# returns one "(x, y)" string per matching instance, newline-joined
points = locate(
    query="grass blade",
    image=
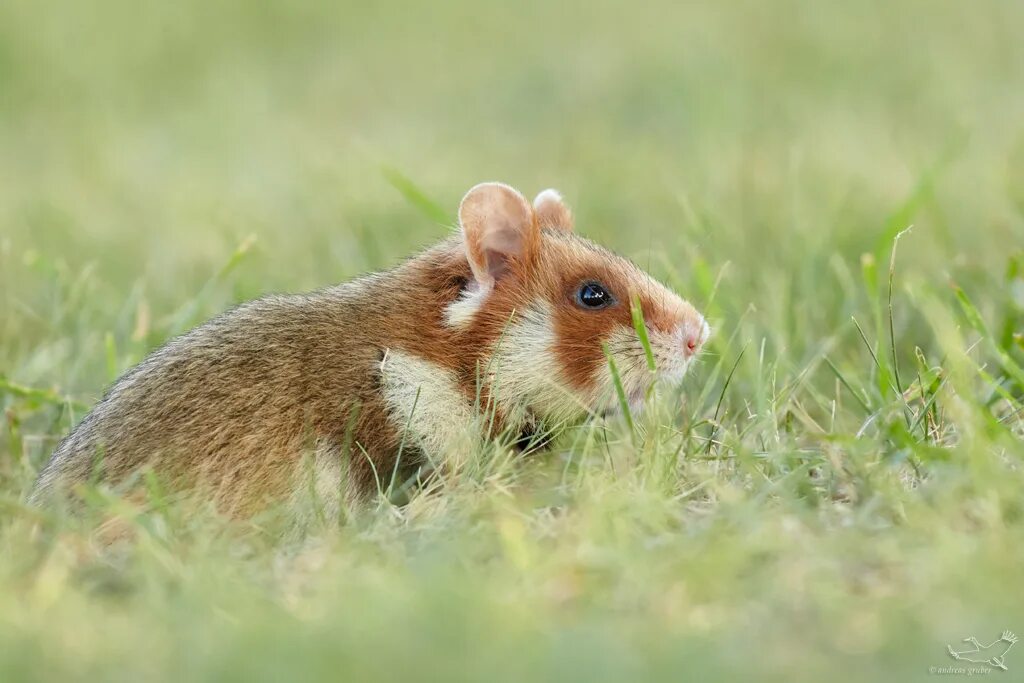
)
(721, 398)
(975, 320)
(641, 331)
(620, 392)
(416, 197)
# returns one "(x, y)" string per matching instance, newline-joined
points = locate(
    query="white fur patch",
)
(525, 372)
(318, 486)
(427, 406)
(705, 331)
(548, 195)
(461, 311)
(631, 364)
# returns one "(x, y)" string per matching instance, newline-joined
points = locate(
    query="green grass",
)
(837, 495)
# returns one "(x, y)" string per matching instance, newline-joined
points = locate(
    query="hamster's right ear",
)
(498, 227)
(551, 211)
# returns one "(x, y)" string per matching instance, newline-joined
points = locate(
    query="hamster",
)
(496, 330)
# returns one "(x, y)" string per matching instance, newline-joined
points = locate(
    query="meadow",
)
(837, 493)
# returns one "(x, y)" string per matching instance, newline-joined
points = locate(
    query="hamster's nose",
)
(695, 334)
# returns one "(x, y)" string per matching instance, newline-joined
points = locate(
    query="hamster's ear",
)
(497, 226)
(551, 211)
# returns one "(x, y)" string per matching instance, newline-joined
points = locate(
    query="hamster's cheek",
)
(631, 365)
(578, 347)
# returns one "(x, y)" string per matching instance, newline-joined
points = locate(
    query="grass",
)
(836, 493)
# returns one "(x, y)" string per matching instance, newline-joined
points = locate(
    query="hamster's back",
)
(232, 402)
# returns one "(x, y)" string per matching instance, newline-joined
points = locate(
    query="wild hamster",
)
(493, 331)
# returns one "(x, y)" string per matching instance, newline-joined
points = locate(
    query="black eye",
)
(593, 295)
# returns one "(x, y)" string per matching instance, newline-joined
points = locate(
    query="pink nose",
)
(694, 337)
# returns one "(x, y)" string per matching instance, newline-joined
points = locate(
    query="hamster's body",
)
(328, 388)
(239, 400)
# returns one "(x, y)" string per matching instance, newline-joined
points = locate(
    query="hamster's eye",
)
(593, 296)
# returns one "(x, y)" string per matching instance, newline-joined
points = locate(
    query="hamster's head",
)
(552, 309)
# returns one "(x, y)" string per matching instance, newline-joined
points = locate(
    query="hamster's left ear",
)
(552, 211)
(498, 228)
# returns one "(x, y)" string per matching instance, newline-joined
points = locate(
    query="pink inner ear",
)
(500, 244)
(507, 239)
(497, 263)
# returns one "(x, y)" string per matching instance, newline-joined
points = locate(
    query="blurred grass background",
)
(826, 516)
